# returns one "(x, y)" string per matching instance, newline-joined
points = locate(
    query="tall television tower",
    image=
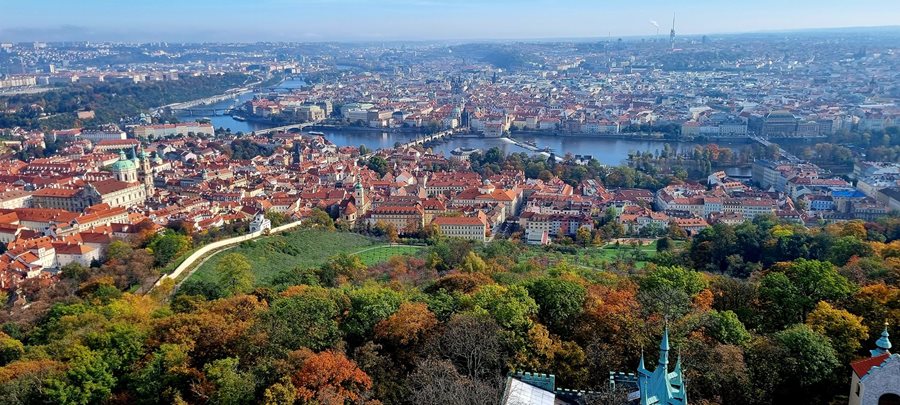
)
(672, 34)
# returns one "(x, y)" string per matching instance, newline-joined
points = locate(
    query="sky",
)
(380, 20)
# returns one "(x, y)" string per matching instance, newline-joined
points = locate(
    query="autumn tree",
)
(409, 326)
(844, 330)
(342, 268)
(329, 378)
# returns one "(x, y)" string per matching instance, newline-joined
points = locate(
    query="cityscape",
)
(647, 210)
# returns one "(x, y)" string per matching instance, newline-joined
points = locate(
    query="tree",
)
(808, 282)
(726, 327)
(472, 343)
(329, 378)
(75, 271)
(583, 236)
(378, 164)
(368, 306)
(280, 393)
(664, 244)
(437, 382)
(668, 290)
(231, 386)
(10, 349)
(305, 319)
(510, 306)
(559, 302)
(235, 274)
(118, 250)
(169, 246)
(473, 264)
(87, 379)
(808, 359)
(342, 268)
(388, 230)
(844, 330)
(319, 219)
(410, 325)
(277, 218)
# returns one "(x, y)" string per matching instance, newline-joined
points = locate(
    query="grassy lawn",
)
(302, 248)
(381, 254)
(595, 257)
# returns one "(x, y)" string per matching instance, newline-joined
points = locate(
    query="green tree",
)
(231, 386)
(118, 250)
(473, 264)
(168, 247)
(559, 301)
(368, 306)
(726, 327)
(808, 358)
(87, 380)
(378, 164)
(10, 349)
(510, 306)
(165, 376)
(235, 273)
(811, 281)
(308, 318)
(668, 290)
(319, 219)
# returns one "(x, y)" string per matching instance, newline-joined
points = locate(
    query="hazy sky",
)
(326, 20)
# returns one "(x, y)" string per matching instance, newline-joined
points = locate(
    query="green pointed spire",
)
(641, 367)
(664, 348)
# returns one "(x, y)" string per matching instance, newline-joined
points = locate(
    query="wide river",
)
(607, 151)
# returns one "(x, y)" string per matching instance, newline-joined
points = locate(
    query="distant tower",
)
(359, 196)
(146, 171)
(672, 34)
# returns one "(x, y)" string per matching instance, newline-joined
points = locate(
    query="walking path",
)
(205, 252)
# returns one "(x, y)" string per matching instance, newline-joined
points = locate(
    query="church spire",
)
(883, 344)
(664, 348)
(642, 368)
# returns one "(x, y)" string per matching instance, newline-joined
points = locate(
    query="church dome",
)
(123, 164)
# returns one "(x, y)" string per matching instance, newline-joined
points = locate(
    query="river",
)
(607, 151)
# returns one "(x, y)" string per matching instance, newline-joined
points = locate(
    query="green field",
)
(304, 248)
(596, 257)
(373, 256)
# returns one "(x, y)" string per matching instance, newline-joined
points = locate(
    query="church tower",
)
(661, 386)
(146, 171)
(359, 195)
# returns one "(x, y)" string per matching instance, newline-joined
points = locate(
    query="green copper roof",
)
(883, 343)
(123, 164)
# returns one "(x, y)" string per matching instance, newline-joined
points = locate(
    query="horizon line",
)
(481, 39)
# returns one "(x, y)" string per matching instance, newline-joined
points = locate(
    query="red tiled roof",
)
(862, 367)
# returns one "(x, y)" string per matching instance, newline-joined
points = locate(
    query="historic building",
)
(876, 380)
(657, 387)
